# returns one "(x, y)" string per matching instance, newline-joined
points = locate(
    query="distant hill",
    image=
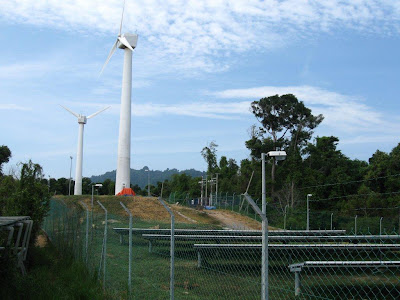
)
(140, 178)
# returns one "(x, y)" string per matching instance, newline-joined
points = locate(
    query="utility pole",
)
(206, 189)
(216, 187)
(202, 185)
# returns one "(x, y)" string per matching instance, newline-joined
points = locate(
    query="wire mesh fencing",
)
(142, 248)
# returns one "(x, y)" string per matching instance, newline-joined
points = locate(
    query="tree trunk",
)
(292, 193)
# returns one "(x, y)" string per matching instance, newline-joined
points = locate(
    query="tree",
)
(30, 196)
(5, 155)
(287, 120)
(209, 154)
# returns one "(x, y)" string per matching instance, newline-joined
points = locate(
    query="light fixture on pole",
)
(70, 174)
(308, 212)
(277, 155)
(97, 185)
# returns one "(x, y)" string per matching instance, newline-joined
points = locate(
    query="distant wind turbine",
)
(127, 42)
(79, 155)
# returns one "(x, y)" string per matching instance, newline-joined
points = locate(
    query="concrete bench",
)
(298, 267)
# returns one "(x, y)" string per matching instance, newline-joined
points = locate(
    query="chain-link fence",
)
(140, 248)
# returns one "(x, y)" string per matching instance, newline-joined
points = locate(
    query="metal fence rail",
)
(157, 253)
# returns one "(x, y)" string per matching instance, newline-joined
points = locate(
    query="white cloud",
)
(11, 106)
(344, 112)
(194, 33)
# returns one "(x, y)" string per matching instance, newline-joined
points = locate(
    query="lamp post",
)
(276, 155)
(148, 181)
(95, 185)
(308, 212)
(70, 171)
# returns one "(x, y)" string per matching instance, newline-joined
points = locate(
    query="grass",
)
(223, 275)
(50, 276)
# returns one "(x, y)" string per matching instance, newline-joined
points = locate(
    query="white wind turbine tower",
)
(79, 155)
(127, 42)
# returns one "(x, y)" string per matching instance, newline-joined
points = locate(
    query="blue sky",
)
(197, 66)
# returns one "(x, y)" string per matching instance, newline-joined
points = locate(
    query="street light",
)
(95, 185)
(148, 181)
(70, 171)
(277, 155)
(308, 212)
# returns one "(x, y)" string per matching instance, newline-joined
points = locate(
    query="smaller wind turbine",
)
(79, 155)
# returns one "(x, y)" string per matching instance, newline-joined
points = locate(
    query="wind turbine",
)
(127, 42)
(79, 155)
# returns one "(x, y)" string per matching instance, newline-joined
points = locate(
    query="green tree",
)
(209, 154)
(5, 155)
(288, 122)
(30, 197)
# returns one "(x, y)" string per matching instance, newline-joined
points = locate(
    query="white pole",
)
(308, 212)
(79, 158)
(206, 200)
(124, 141)
(216, 188)
(264, 259)
(202, 183)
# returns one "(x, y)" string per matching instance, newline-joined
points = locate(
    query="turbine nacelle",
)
(82, 119)
(124, 41)
(131, 38)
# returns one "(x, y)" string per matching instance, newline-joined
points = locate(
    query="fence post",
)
(233, 200)
(87, 230)
(331, 221)
(380, 226)
(104, 252)
(355, 225)
(172, 251)
(130, 250)
(264, 259)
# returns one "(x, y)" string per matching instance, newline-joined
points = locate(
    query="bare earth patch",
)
(41, 241)
(233, 220)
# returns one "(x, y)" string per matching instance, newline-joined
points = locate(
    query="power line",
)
(349, 182)
(354, 195)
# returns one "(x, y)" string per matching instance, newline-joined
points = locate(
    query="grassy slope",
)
(50, 277)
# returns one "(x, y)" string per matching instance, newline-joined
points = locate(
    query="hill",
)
(140, 177)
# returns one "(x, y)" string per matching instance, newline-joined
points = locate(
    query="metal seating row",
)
(18, 244)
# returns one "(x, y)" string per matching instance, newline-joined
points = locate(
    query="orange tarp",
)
(126, 192)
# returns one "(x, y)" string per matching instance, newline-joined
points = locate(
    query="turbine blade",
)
(125, 42)
(96, 113)
(109, 56)
(122, 17)
(67, 109)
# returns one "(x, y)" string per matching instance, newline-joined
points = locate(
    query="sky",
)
(197, 67)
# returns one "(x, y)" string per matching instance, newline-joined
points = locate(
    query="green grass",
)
(228, 275)
(50, 276)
